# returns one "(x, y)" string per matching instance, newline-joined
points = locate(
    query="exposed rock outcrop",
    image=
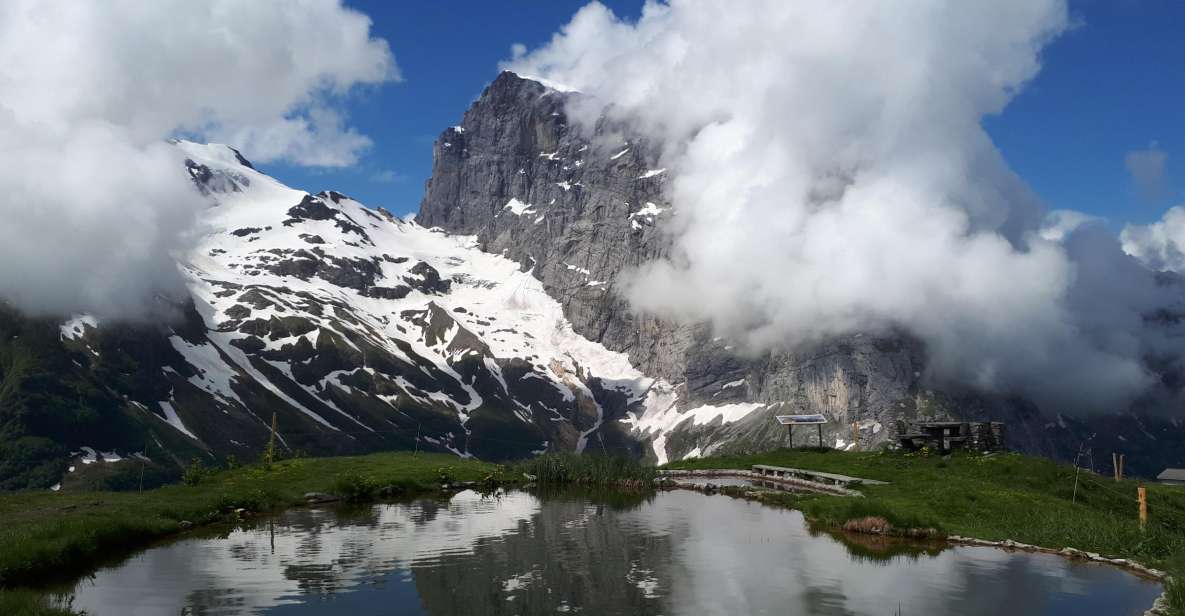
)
(576, 209)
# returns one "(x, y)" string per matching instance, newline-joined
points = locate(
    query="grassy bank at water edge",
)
(1004, 496)
(58, 533)
(587, 470)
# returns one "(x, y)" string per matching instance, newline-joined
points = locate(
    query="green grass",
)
(61, 533)
(1006, 496)
(590, 470)
(30, 603)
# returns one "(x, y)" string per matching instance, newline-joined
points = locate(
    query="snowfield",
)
(282, 278)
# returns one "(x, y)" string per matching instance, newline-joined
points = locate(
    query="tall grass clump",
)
(31, 603)
(587, 469)
(1175, 593)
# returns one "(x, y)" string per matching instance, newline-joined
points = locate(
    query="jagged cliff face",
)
(576, 209)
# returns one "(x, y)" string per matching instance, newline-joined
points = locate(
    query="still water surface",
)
(675, 553)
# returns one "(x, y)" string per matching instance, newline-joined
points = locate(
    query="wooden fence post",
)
(1117, 464)
(1143, 497)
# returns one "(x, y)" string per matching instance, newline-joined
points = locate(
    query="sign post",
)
(809, 420)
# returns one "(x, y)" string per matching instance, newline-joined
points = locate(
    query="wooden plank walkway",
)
(782, 472)
(813, 481)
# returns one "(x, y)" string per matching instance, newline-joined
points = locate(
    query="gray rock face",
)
(574, 209)
(577, 209)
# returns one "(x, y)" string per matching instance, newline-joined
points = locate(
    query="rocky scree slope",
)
(574, 210)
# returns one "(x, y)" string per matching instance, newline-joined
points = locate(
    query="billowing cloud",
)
(1061, 223)
(1147, 171)
(1161, 244)
(93, 200)
(830, 175)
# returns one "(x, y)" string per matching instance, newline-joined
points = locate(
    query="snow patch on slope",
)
(508, 310)
(75, 327)
(518, 208)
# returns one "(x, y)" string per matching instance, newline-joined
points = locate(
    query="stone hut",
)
(945, 436)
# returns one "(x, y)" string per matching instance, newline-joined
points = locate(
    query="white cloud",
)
(1161, 244)
(315, 138)
(1060, 223)
(1147, 171)
(94, 202)
(387, 176)
(830, 175)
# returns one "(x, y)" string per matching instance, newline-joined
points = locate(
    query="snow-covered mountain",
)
(490, 326)
(361, 331)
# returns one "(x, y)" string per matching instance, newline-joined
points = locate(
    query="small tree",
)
(195, 473)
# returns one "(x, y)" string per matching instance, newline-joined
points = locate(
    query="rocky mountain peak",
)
(493, 326)
(575, 207)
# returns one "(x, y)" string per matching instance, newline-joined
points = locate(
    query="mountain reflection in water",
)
(672, 553)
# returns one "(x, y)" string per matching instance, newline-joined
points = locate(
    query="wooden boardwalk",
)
(782, 472)
(813, 481)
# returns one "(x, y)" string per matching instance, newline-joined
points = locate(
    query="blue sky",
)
(1113, 85)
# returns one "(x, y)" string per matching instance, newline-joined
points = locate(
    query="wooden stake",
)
(1121, 456)
(1075, 499)
(790, 431)
(143, 462)
(820, 426)
(855, 436)
(1143, 497)
(1115, 465)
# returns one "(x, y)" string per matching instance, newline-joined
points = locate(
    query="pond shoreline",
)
(50, 533)
(504, 543)
(669, 478)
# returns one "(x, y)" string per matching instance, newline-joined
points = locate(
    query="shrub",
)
(195, 473)
(354, 487)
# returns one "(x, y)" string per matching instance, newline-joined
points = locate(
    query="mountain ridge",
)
(490, 326)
